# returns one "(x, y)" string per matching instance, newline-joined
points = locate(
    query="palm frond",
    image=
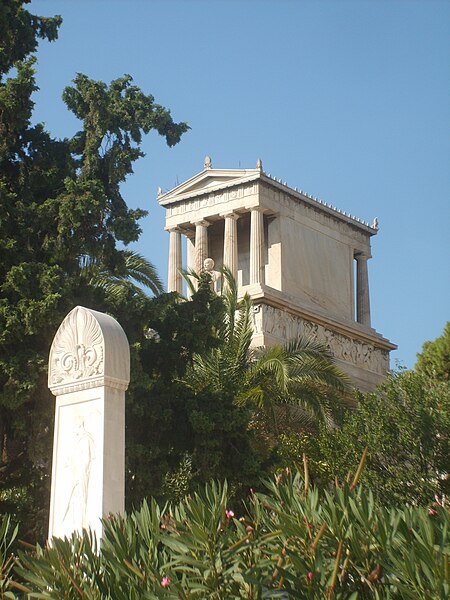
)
(243, 331)
(253, 396)
(272, 367)
(319, 370)
(137, 267)
(294, 417)
(304, 345)
(190, 276)
(230, 298)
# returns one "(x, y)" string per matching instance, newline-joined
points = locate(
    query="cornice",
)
(319, 205)
(241, 177)
(87, 384)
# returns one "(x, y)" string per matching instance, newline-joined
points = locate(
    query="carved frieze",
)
(210, 199)
(78, 349)
(286, 326)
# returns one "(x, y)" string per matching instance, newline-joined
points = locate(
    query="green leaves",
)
(20, 31)
(286, 386)
(114, 118)
(289, 542)
(434, 360)
(131, 271)
(61, 204)
(406, 427)
(8, 534)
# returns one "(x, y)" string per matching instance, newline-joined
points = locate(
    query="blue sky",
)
(347, 100)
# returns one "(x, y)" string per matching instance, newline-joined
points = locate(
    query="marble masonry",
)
(302, 261)
(89, 371)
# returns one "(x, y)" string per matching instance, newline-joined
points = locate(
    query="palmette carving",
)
(77, 351)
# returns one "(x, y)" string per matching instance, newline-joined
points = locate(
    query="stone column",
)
(88, 372)
(362, 290)
(174, 280)
(230, 243)
(256, 245)
(201, 244)
(190, 258)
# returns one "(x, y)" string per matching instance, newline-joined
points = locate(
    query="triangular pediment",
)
(206, 181)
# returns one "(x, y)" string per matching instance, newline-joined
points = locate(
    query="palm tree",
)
(295, 384)
(133, 272)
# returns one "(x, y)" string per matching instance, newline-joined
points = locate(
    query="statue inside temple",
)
(216, 276)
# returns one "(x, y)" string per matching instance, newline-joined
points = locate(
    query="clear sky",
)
(348, 100)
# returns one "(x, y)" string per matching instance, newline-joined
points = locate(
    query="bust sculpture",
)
(216, 276)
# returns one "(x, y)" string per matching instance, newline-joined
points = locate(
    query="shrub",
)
(292, 541)
(8, 534)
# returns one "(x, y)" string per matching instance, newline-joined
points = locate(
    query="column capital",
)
(361, 256)
(202, 223)
(230, 215)
(173, 229)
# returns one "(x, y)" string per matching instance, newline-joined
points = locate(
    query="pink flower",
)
(310, 576)
(279, 478)
(432, 512)
(165, 582)
(252, 492)
(229, 514)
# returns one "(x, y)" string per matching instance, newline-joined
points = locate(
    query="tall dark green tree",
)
(62, 216)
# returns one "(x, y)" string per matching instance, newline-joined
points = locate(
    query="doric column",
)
(256, 245)
(174, 280)
(190, 256)
(230, 243)
(362, 290)
(201, 244)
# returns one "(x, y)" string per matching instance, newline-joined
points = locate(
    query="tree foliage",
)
(62, 221)
(434, 360)
(406, 427)
(284, 386)
(180, 436)
(21, 32)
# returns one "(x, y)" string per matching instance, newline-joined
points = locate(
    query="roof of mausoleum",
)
(211, 180)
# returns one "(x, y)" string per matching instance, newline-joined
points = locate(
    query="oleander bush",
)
(292, 541)
(8, 534)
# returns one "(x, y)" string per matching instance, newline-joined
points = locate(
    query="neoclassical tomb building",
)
(303, 262)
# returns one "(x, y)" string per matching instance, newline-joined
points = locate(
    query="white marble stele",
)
(89, 371)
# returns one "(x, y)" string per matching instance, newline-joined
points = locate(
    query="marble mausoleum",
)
(302, 261)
